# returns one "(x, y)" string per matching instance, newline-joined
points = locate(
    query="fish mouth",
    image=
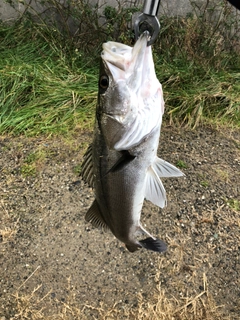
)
(128, 63)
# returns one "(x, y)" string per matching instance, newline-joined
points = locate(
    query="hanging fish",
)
(121, 164)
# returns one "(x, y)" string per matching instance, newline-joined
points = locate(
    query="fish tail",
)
(150, 243)
(153, 244)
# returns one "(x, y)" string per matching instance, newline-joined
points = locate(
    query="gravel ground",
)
(49, 253)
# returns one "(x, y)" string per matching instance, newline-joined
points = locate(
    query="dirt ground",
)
(50, 257)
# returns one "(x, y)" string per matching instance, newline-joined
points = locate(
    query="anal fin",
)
(94, 216)
(155, 191)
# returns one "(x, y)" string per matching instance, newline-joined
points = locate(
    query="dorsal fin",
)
(95, 217)
(87, 167)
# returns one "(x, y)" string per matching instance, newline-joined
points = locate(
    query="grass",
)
(195, 93)
(214, 98)
(197, 61)
(8, 228)
(43, 90)
(204, 183)
(234, 204)
(48, 86)
(199, 307)
(181, 164)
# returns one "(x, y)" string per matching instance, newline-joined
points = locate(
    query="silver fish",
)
(121, 164)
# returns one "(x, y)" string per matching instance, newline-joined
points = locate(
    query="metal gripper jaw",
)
(148, 21)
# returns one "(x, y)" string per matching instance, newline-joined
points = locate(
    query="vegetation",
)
(200, 307)
(199, 65)
(49, 85)
(43, 89)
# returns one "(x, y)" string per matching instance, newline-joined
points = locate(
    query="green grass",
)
(198, 62)
(181, 164)
(48, 86)
(234, 204)
(193, 95)
(27, 170)
(43, 89)
(204, 183)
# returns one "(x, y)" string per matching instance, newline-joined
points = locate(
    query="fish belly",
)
(120, 193)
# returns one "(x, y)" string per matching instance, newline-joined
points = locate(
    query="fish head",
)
(128, 93)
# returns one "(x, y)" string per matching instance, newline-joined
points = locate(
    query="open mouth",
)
(125, 62)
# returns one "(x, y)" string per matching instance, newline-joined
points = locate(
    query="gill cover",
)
(132, 105)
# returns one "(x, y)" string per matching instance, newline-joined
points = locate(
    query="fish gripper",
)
(148, 21)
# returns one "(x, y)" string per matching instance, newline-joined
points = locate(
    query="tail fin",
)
(153, 244)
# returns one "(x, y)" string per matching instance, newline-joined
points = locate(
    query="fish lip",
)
(128, 64)
(123, 57)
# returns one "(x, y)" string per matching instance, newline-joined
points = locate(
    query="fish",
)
(121, 163)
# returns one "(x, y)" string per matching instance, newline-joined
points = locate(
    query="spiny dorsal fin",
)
(155, 191)
(94, 216)
(165, 169)
(87, 167)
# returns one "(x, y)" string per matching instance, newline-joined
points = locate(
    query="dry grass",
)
(162, 307)
(8, 227)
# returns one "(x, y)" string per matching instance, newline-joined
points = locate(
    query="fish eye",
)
(104, 82)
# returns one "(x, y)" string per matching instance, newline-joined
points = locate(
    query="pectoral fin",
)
(95, 217)
(122, 162)
(155, 191)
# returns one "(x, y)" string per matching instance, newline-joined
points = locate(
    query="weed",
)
(28, 170)
(223, 175)
(204, 183)
(119, 23)
(234, 204)
(77, 169)
(37, 156)
(8, 227)
(181, 164)
(32, 157)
